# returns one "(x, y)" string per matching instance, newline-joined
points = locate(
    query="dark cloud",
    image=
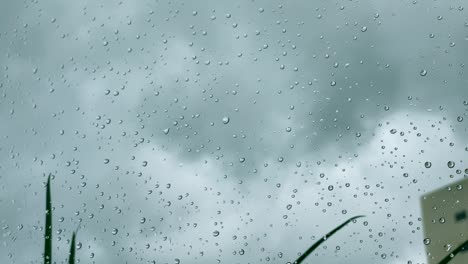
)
(127, 105)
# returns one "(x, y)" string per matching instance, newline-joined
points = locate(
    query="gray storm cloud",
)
(228, 132)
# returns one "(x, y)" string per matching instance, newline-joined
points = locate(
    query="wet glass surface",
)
(233, 131)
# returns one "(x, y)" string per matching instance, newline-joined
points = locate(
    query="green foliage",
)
(452, 254)
(48, 231)
(323, 239)
(71, 258)
(48, 227)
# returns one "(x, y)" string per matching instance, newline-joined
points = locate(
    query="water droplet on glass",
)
(451, 164)
(447, 247)
(427, 241)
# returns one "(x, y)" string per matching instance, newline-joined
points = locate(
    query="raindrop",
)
(447, 247)
(451, 164)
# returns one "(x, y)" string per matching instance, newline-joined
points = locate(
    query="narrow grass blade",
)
(454, 253)
(48, 226)
(323, 239)
(71, 258)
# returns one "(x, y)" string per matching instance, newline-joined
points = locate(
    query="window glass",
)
(233, 131)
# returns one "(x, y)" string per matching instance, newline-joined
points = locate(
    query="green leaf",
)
(454, 253)
(323, 239)
(48, 227)
(71, 258)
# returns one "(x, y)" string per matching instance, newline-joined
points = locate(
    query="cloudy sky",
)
(228, 131)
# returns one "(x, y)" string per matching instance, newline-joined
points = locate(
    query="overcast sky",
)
(228, 131)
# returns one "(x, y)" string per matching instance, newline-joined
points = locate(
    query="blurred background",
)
(228, 131)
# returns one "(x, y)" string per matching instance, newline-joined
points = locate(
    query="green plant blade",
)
(454, 253)
(71, 258)
(48, 226)
(323, 239)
